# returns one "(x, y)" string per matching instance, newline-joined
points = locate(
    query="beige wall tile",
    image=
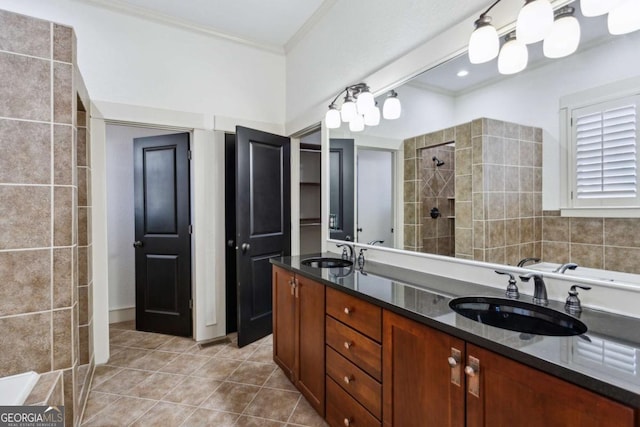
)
(478, 255)
(512, 178)
(494, 177)
(82, 226)
(449, 134)
(537, 152)
(83, 345)
(495, 127)
(409, 148)
(26, 281)
(63, 216)
(526, 205)
(526, 154)
(22, 75)
(622, 232)
(587, 230)
(479, 234)
(62, 277)
(527, 230)
(463, 136)
(591, 256)
(83, 278)
(82, 186)
(496, 234)
(526, 179)
(63, 95)
(622, 259)
(512, 205)
(83, 305)
(477, 171)
(479, 211)
(25, 217)
(25, 343)
(82, 147)
(495, 255)
(63, 155)
(463, 188)
(463, 161)
(62, 339)
(464, 241)
(62, 43)
(464, 215)
(495, 206)
(511, 130)
(555, 252)
(493, 150)
(25, 152)
(527, 133)
(25, 35)
(512, 255)
(434, 138)
(477, 127)
(477, 145)
(512, 152)
(512, 232)
(555, 229)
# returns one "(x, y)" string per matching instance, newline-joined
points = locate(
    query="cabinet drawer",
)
(355, 381)
(343, 410)
(352, 311)
(360, 350)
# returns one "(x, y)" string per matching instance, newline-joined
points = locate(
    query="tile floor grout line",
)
(294, 408)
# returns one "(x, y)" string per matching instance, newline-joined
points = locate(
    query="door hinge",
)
(190, 229)
(189, 154)
(190, 304)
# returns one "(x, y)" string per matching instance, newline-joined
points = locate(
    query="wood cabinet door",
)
(284, 305)
(511, 394)
(419, 386)
(310, 366)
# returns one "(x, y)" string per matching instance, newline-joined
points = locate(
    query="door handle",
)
(245, 247)
(230, 243)
(137, 244)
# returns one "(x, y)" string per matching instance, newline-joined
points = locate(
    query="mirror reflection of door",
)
(341, 191)
(375, 197)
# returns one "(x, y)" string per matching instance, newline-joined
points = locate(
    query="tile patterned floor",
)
(159, 380)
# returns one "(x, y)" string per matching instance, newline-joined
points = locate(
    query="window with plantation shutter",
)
(605, 148)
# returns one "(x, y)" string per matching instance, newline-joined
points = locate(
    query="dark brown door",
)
(420, 387)
(263, 226)
(162, 238)
(341, 189)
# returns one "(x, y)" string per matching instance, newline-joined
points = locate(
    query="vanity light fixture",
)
(514, 55)
(534, 21)
(591, 8)
(484, 43)
(359, 108)
(624, 17)
(564, 37)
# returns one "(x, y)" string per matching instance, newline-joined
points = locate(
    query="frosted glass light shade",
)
(356, 124)
(372, 117)
(597, 7)
(365, 102)
(484, 43)
(625, 17)
(563, 39)
(513, 57)
(348, 110)
(534, 21)
(391, 109)
(332, 118)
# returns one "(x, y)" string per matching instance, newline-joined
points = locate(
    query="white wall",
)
(129, 60)
(358, 37)
(120, 213)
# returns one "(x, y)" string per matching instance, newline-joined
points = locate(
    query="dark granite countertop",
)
(606, 359)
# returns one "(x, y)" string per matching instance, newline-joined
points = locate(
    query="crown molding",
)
(161, 18)
(308, 25)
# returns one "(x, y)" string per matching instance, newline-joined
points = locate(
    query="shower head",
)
(438, 161)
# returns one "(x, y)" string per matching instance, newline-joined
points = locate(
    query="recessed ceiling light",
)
(463, 73)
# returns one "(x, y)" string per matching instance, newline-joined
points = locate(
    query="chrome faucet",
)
(346, 254)
(523, 261)
(565, 267)
(540, 288)
(373, 242)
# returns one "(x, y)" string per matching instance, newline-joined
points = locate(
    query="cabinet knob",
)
(347, 422)
(470, 371)
(348, 311)
(452, 361)
(348, 378)
(348, 345)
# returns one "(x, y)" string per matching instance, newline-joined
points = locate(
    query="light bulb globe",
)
(624, 18)
(534, 21)
(484, 43)
(513, 57)
(332, 118)
(563, 39)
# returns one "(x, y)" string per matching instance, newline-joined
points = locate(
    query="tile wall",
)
(498, 190)
(39, 258)
(603, 243)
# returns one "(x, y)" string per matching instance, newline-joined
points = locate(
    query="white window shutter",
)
(606, 153)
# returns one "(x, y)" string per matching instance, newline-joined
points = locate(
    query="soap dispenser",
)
(572, 305)
(361, 258)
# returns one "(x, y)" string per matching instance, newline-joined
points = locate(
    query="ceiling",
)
(271, 24)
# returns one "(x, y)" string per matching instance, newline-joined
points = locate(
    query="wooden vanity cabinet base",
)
(344, 410)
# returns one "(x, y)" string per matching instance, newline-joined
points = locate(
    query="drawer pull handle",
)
(452, 361)
(348, 345)
(348, 378)
(347, 422)
(470, 371)
(348, 311)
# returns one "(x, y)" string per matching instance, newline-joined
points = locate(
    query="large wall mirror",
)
(472, 168)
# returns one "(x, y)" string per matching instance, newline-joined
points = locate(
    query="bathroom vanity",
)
(381, 346)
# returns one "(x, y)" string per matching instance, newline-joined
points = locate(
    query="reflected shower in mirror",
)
(505, 136)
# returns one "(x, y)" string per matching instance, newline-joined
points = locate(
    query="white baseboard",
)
(122, 315)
